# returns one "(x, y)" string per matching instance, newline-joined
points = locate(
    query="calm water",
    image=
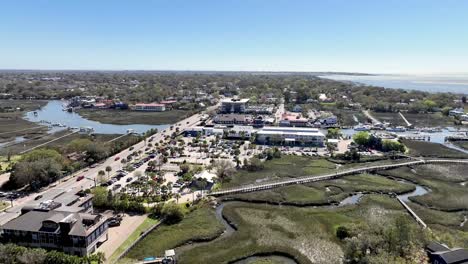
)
(52, 112)
(428, 83)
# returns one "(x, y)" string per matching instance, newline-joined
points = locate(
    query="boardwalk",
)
(408, 124)
(308, 179)
(412, 213)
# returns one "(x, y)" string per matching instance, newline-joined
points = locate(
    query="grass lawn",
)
(5, 164)
(305, 233)
(4, 205)
(429, 149)
(126, 117)
(326, 191)
(13, 121)
(149, 222)
(198, 225)
(444, 180)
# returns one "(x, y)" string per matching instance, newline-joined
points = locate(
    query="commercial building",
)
(292, 136)
(149, 107)
(232, 105)
(259, 109)
(66, 224)
(293, 120)
(232, 119)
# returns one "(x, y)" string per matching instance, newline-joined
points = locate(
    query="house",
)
(100, 106)
(293, 120)
(329, 120)
(456, 112)
(441, 254)
(297, 109)
(233, 105)
(169, 104)
(292, 136)
(149, 107)
(65, 223)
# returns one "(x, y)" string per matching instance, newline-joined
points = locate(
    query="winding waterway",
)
(229, 229)
(53, 113)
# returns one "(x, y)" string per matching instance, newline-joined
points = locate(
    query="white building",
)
(231, 105)
(294, 136)
(149, 107)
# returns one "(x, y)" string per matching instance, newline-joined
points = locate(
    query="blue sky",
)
(417, 36)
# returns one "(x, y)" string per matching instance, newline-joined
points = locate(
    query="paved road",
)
(71, 184)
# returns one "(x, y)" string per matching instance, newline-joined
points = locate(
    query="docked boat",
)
(362, 128)
(396, 129)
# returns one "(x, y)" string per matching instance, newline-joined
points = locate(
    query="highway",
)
(70, 183)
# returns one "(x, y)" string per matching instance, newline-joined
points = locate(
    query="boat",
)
(361, 128)
(396, 129)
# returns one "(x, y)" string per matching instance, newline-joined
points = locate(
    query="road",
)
(71, 184)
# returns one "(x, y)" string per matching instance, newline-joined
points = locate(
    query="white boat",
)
(396, 129)
(362, 128)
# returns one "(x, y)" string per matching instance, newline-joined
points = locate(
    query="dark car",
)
(129, 179)
(38, 197)
(113, 222)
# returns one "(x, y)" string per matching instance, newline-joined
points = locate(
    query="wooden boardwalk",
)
(308, 179)
(412, 213)
(408, 124)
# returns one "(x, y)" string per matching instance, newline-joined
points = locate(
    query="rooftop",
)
(234, 101)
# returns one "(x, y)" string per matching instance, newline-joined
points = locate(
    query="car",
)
(79, 178)
(93, 165)
(116, 158)
(38, 197)
(131, 148)
(113, 223)
(104, 184)
(129, 179)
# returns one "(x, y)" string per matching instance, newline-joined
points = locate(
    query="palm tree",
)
(108, 169)
(177, 197)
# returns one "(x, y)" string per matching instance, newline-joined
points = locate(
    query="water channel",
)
(229, 229)
(53, 113)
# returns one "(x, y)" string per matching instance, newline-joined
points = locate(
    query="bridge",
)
(330, 176)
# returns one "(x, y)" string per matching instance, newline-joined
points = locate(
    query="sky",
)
(417, 36)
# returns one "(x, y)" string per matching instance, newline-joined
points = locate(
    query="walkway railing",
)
(330, 176)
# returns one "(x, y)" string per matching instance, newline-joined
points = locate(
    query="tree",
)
(172, 213)
(108, 170)
(224, 169)
(361, 138)
(177, 197)
(333, 133)
(101, 173)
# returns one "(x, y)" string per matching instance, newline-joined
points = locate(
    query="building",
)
(259, 109)
(329, 120)
(149, 107)
(292, 136)
(232, 119)
(297, 109)
(65, 224)
(169, 104)
(293, 120)
(456, 112)
(231, 105)
(441, 254)
(241, 132)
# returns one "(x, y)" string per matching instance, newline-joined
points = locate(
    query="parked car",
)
(116, 158)
(129, 179)
(38, 197)
(79, 178)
